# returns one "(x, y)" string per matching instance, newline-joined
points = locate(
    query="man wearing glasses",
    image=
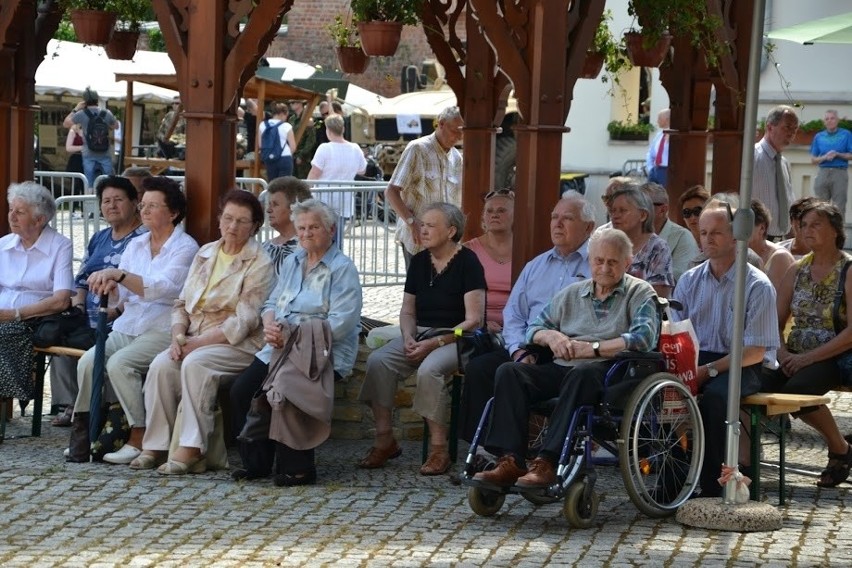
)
(429, 171)
(681, 242)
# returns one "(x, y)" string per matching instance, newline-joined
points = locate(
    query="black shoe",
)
(294, 479)
(241, 474)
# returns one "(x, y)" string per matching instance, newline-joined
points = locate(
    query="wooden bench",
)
(764, 405)
(41, 353)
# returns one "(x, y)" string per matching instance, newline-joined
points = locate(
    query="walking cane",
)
(98, 370)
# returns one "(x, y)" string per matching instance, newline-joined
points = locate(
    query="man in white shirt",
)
(657, 160)
(772, 182)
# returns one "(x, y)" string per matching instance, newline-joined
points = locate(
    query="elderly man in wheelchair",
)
(587, 326)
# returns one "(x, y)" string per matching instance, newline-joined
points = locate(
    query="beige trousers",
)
(387, 365)
(127, 361)
(195, 380)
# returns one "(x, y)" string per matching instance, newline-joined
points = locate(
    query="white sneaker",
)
(67, 452)
(125, 455)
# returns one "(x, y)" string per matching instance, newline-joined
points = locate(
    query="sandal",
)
(837, 470)
(63, 419)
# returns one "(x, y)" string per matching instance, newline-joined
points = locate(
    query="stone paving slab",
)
(58, 514)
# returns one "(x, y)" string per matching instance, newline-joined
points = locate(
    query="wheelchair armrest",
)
(663, 303)
(638, 356)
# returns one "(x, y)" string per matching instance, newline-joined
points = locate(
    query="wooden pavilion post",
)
(481, 92)
(541, 46)
(213, 60)
(25, 30)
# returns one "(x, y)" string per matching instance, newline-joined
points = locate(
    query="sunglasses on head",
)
(500, 193)
(694, 212)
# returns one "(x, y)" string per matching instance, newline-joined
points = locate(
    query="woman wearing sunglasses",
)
(691, 204)
(494, 250)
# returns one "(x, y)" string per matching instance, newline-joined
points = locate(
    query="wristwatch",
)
(441, 341)
(711, 370)
(596, 347)
(409, 221)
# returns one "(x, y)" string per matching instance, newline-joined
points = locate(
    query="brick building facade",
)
(307, 40)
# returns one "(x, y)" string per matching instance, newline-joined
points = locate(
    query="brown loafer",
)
(437, 463)
(378, 457)
(503, 475)
(540, 474)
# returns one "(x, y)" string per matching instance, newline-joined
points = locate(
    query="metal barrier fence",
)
(369, 236)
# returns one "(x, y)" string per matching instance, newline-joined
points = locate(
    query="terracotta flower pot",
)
(380, 38)
(93, 26)
(640, 56)
(122, 45)
(592, 65)
(352, 59)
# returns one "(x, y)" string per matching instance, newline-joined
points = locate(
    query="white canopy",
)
(68, 68)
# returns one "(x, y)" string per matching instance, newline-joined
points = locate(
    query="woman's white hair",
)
(36, 196)
(615, 237)
(327, 215)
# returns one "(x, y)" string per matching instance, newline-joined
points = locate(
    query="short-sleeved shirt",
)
(439, 298)
(427, 174)
(82, 118)
(812, 306)
(31, 275)
(840, 141)
(498, 277)
(103, 252)
(283, 127)
(339, 161)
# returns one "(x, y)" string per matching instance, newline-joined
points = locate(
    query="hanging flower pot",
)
(592, 65)
(122, 45)
(352, 59)
(93, 26)
(380, 38)
(641, 56)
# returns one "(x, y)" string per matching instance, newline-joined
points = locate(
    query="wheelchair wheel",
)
(662, 445)
(580, 508)
(483, 502)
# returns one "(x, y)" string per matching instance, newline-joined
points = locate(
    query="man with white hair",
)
(831, 150)
(429, 171)
(681, 242)
(571, 224)
(585, 326)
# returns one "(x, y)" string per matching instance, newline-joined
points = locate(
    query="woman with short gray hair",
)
(35, 280)
(444, 290)
(632, 212)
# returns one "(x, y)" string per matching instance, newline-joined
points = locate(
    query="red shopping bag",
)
(679, 346)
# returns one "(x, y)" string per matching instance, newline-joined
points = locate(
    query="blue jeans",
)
(280, 168)
(92, 162)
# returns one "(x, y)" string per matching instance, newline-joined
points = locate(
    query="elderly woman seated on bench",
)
(586, 323)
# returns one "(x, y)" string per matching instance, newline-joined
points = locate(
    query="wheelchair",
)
(647, 421)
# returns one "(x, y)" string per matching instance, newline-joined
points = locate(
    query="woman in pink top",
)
(494, 250)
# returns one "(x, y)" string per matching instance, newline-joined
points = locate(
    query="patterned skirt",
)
(17, 363)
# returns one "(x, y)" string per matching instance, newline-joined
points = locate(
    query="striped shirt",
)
(763, 184)
(278, 253)
(709, 304)
(427, 174)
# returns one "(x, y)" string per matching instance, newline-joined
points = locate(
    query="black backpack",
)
(270, 143)
(98, 132)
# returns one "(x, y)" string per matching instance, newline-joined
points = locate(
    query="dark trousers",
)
(659, 174)
(258, 457)
(479, 375)
(519, 386)
(816, 379)
(713, 404)
(280, 168)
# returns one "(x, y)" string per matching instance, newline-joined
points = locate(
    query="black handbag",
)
(68, 329)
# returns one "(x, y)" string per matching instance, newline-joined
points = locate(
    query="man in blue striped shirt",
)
(707, 295)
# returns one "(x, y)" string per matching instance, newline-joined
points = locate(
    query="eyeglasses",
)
(227, 221)
(144, 206)
(694, 212)
(500, 193)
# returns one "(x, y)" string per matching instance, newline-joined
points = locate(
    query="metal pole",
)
(742, 227)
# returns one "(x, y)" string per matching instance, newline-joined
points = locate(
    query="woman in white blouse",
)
(35, 280)
(144, 287)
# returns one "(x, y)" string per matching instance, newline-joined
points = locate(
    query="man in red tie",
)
(657, 161)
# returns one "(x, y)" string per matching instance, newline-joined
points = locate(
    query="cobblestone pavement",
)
(55, 513)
